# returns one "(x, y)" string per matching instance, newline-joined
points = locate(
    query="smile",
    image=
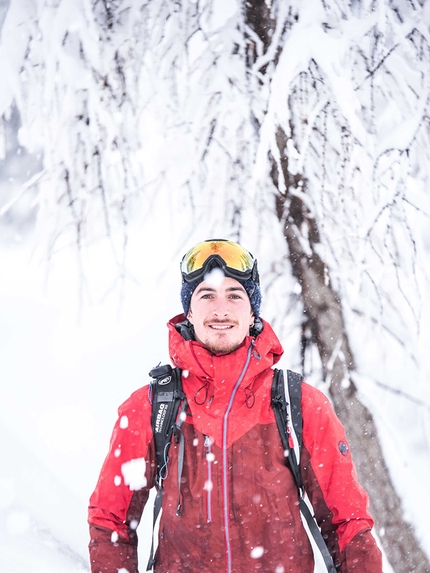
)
(221, 326)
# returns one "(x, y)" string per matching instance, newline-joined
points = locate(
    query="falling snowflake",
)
(114, 537)
(257, 552)
(134, 473)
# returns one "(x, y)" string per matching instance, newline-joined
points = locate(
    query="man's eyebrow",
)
(211, 289)
(204, 288)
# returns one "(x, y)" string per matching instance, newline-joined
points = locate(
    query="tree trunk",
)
(323, 316)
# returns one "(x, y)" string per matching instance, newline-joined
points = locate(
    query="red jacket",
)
(239, 501)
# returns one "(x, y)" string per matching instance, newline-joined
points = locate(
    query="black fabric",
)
(167, 396)
(186, 330)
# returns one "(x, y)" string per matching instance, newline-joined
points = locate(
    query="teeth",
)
(219, 327)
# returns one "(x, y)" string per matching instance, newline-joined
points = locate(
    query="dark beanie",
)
(252, 290)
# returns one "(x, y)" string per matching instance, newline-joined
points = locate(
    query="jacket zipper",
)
(225, 462)
(209, 484)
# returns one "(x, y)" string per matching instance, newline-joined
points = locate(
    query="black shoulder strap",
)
(286, 402)
(295, 391)
(166, 397)
(167, 394)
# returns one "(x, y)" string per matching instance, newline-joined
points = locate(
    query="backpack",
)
(168, 399)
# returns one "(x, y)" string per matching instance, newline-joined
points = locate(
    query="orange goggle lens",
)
(236, 259)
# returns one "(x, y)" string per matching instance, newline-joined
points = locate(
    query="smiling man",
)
(230, 502)
(220, 313)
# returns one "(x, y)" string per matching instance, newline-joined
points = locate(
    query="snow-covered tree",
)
(301, 129)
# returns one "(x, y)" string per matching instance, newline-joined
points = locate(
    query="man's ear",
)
(252, 319)
(190, 316)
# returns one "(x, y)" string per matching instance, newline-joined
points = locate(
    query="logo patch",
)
(159, 420)
(343, 448)
(164, 381)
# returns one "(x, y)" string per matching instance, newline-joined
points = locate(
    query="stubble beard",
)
(221, 348)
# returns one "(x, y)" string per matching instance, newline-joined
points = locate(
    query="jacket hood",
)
(195, 358)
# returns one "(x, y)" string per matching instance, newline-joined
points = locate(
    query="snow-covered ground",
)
(62, 376)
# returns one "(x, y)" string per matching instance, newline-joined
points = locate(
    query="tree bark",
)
(324, 317)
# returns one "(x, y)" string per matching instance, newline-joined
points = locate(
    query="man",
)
(233, 506)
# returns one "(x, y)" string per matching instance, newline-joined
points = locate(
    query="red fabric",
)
(361, 554)
(234, 478)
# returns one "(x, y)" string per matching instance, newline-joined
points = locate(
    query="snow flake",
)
(134, 473)
(114, 537)
(257, 552)
(346, 383)
(117, 480)
(123, 423)
(215, 277)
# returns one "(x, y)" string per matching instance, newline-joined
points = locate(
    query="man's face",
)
(221, 314)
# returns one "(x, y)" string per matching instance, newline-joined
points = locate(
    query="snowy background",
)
(81, 327)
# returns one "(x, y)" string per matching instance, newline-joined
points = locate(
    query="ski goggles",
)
(235, 261)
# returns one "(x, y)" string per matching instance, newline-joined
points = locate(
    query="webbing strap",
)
(293, 423)
(286, 402)
(159, 496)
(157, 509)
(181, 451)
(166, 396)
(316, 534)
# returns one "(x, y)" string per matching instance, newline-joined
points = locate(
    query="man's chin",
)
(222, 346)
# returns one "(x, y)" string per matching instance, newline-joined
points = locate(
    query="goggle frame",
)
(217, 261)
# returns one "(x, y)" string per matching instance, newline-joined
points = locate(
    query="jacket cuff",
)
(109, 552)
(361, 555)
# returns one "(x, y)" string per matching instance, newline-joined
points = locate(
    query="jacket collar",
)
(195, 358)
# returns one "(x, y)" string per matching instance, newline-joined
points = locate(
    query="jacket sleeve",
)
(122, 490)
(330, 480)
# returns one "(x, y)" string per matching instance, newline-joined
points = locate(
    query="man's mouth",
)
(220, 326)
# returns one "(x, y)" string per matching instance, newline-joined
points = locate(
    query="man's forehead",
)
(226, 285)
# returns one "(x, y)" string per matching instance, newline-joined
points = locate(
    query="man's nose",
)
(221, 310)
